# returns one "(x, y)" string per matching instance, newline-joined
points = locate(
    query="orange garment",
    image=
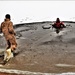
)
(9, 34)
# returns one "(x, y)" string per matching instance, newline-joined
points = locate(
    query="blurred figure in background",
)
(58, 24)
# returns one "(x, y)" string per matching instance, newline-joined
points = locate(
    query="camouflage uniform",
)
(8, 31)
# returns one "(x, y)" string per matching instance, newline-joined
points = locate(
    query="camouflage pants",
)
(11, 44)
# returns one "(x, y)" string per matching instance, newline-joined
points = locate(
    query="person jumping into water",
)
(9, 34)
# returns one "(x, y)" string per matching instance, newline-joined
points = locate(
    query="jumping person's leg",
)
(13, 44)
(8, 44)
(7, 53)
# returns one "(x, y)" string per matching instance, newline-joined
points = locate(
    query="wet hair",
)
(7, 16)
(57, 20)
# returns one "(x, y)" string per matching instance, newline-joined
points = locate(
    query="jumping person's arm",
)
(1, 27)
(11, 29)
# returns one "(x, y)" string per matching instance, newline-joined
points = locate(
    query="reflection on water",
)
(64, 65)
(20, 72)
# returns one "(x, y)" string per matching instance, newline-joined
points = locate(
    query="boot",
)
(8, 54)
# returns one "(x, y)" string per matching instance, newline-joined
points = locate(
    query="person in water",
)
(58, 24)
